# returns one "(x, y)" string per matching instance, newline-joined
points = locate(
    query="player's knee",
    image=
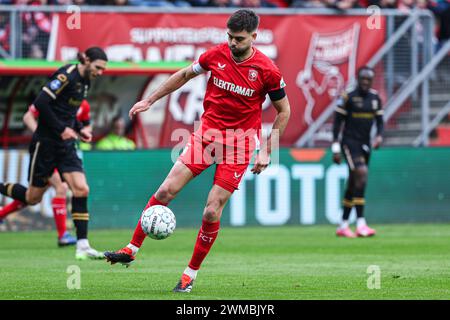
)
(164, 194)
(361, 173)
(361, 177)
(61, 190)
(212, 211)
(81, 190)
(360, 184)
(33, 199)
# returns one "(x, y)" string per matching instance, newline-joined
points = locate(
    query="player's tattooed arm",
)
(174, 82)
(279, 125)
(281, 120)
(283, 114)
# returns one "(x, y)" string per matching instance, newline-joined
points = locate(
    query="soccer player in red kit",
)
(241, 76)
(59, 201)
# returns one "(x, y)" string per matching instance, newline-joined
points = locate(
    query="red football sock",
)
(12, 207)
(60, 215)
(139, 235)
(205, 239)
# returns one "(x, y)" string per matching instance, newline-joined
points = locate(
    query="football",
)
(158, 222)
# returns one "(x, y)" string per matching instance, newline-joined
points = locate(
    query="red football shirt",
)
(236, 90)
(83, 113)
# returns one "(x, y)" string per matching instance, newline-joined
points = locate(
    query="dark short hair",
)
(243, 19)
(93, 53)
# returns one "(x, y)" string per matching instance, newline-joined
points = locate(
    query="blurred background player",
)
(116, 139)
(357, 110)
(241, 76)
(54, 142)
(59, 201)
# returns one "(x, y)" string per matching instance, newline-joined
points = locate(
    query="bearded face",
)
(240, 43)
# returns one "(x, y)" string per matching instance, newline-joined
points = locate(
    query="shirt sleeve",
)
(46, 114)
(84, 114)
(340, 114)
(204, 61)
(274, 80)
(379, 117)
(341, 104)
(58, 81)
(33, 110)
(380, 111)
(197, 68)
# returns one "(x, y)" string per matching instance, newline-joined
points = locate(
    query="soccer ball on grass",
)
(158, 222)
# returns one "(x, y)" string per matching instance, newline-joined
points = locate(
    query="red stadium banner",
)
(317, 55)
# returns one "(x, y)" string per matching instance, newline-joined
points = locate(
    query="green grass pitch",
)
(258, 263)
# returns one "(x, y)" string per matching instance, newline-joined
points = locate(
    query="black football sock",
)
(80, 216)
(359, 208)
(347, 204)
(359, 202)
(347, 209)
(14, 190)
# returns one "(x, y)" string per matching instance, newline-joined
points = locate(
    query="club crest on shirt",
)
(252, 75)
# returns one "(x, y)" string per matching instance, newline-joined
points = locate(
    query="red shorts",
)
(231, 162)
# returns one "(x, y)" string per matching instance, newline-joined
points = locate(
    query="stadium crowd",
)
(36, 25)
(436, 6)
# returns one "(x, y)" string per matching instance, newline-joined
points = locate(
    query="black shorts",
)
(356, 153)
(47, 155)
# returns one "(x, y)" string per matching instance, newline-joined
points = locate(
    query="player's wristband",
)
(336, 147)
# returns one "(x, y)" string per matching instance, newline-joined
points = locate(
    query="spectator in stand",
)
(159, 3)
(282, 3)
(422, 4)
(220, 3)
(308, 4)
(117, 2)
(341, 4)
(4, 34)
(406, 5)
(95, 2)
(388, 4)
(441, 8)
(254, 4)
(445, 24)
(36, 28)
(60, 2)
(331, 4)
(116, 139)
(76, 2)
